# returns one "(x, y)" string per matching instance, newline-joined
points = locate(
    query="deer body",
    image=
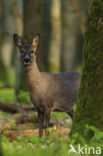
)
(57, 92)
(51, 92)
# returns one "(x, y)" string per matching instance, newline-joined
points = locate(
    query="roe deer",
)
(48, 92)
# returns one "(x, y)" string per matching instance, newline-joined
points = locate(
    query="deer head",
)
(27, 50)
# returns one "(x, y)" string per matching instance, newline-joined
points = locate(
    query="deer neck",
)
(33, 75)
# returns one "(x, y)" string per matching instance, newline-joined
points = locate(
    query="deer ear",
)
(18, 40)
(36, 41)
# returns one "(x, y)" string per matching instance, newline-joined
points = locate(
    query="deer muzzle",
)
(27, 60)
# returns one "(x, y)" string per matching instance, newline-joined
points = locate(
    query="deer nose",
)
(27, 58)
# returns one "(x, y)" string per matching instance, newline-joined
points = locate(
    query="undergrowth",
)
(51, 146)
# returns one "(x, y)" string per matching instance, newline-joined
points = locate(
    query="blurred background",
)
(61, 24)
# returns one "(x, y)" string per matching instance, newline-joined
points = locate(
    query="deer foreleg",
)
(41, 122)
(47, 119)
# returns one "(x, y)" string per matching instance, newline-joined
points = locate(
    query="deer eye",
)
(32, 51)
(21, 51)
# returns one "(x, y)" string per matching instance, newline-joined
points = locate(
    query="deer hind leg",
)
(46, 119)
(70, 113)
(41, 122)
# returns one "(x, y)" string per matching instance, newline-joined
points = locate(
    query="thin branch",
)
(14, 108)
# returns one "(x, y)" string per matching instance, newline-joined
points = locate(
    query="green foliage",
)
(50, 146)
(12, 123)
(7, 96)
(5, 77)
(95, 141)
(24, 97)
(35, 146)
(4, 114)
(12, 79)
(59, 116)
(3, 73)
(33, 118)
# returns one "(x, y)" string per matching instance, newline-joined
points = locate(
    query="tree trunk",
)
(90, 102)
(18, 14)
(32, 18)
(54, 53)
(7, 31)
(32, 14)
(3, 70)
(69, 37)
(32, 23)
(46, 36)
(73, 29)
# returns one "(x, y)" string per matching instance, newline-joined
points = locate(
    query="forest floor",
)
(19, 131)
(12, 125)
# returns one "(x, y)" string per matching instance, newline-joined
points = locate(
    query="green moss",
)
(90, 102)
